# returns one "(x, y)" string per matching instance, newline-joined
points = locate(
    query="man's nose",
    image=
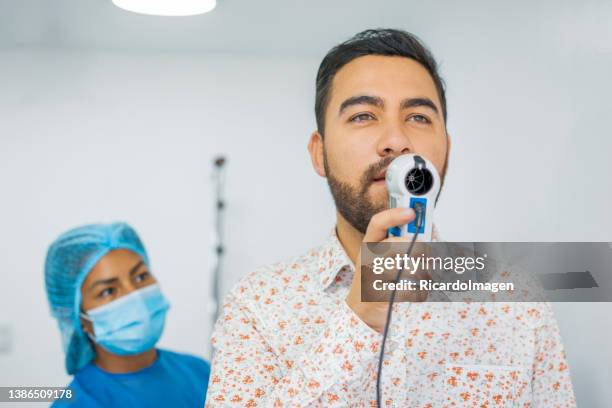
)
(394, 141)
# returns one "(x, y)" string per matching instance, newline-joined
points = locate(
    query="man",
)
(297, 334)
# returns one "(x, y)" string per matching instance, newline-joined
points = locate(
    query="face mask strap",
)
(91, 336)
(86, 317)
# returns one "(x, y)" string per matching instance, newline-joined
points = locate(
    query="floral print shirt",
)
(287, 338)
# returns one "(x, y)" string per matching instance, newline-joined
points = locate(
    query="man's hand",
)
(374, 314)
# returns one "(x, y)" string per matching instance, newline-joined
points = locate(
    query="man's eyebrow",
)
(361, 100)
(415, 102)
(135, 267)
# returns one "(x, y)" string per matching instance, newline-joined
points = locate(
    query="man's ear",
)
(315, 148)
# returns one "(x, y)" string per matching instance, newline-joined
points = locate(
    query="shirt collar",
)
(333, 258)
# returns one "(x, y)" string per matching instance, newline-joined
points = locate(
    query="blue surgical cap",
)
(69, 260)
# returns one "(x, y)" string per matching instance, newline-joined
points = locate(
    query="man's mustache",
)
(374, 170)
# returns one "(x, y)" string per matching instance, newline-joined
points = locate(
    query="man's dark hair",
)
(388, 42)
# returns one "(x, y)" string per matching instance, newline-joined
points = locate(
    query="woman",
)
(111, 314)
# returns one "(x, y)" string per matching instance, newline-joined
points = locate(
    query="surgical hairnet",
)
(69, 260)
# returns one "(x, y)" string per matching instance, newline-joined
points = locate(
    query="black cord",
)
(419, 219)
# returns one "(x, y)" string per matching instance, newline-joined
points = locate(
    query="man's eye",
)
(419, 118)
(362, 117)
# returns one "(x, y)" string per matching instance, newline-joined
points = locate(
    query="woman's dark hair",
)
(389, 42)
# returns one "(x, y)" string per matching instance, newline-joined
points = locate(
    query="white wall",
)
(104, 137)
(98, 137)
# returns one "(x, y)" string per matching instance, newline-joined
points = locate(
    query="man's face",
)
(380, 107)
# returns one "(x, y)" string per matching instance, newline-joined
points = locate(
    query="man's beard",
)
(353, 202)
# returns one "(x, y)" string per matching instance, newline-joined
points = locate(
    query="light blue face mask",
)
(131, 324)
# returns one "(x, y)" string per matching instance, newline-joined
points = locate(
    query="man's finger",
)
(381, 222)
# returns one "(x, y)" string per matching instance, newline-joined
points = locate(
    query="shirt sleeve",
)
(248, 372)
(552, 384)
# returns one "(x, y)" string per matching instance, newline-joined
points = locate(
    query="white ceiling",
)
(291, 27)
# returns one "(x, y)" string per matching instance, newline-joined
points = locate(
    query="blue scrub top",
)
(173, 380)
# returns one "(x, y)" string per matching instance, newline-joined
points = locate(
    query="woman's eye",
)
(142, 276)
(419, 118)
(106, 292)
(362, 117)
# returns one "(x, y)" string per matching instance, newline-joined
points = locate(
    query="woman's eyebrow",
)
(103, 282)
(135, 267)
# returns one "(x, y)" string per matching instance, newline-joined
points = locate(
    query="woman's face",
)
(117, 274)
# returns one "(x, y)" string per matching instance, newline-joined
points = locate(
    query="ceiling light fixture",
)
(167, 7)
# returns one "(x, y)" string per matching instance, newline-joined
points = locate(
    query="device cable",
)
(418, 221)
